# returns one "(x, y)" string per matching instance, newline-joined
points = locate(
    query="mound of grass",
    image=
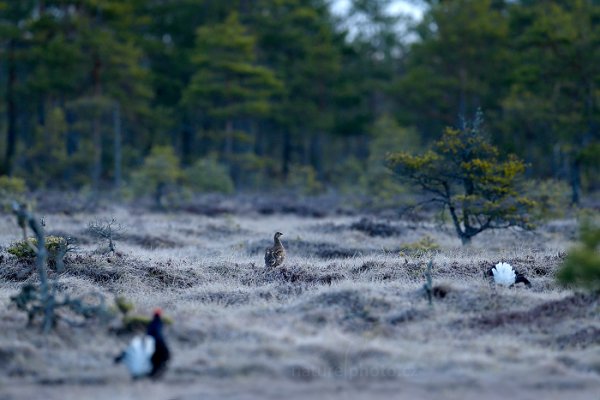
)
(426, 243)
(124, 305)
(25, 249)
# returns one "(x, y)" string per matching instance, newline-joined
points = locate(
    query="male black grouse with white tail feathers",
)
(504, 274)
(275, 255)
(147, 356)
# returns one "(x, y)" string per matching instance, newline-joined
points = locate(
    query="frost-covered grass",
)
(345, 308)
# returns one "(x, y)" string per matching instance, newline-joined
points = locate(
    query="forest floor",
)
(344, 318)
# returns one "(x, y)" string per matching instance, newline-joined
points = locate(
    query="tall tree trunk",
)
(96, 133)
(316, 154)
(233, 169)
(306, 150)
(11, 111)
(462, 97)
(258, 140)
(286, 154)
(465, 240)
(575, 181)
(556, 161)
(186, 142)
(117, 144)
(228, 150)
(97, 167)
(363, 147)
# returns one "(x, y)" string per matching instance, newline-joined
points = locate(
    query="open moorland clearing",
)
(344, 317)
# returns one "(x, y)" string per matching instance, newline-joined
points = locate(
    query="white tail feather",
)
(138, 355)
(504, 274)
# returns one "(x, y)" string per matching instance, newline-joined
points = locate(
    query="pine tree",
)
(298, 42)
(13, 31)
(458, 64)
(463, 174)
(229, 88)
(554, 98)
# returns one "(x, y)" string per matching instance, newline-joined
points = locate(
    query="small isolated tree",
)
(463, 173)
(159, 171)
(207, 175)
(107, 230)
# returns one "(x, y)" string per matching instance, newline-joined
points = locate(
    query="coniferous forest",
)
(268, 94)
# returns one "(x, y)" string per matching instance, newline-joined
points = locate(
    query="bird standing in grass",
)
(275, 255)
(147, 356)
(504, 274)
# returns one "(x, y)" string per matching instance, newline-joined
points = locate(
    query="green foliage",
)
(139, 323)
(25, 249)
(458, 63)
(298, 40)
(47, 159)
(11, 189)
(552, 198)
(229, 88)
(123, 305)
(159, 174)
(303, 179)
(387, 137)
(462, 173)
(581, 268)
(257, 170)
(225, 53)
(207, 175)
(424, 244)
(91, 86)
(371, 176)
(350, 175)
(10, 186)
(553, 98)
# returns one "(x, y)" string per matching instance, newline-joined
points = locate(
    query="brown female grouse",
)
(275, 255)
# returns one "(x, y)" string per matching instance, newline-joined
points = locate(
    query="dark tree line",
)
(274, 90)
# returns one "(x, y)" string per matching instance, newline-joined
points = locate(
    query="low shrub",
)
(24, 249)
(552, 197)
(158, 176)
(303, 179)
(207, 175)
(426, 243)
(581, 267)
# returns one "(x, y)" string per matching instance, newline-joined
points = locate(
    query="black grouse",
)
(147, 356)
(504, 274)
